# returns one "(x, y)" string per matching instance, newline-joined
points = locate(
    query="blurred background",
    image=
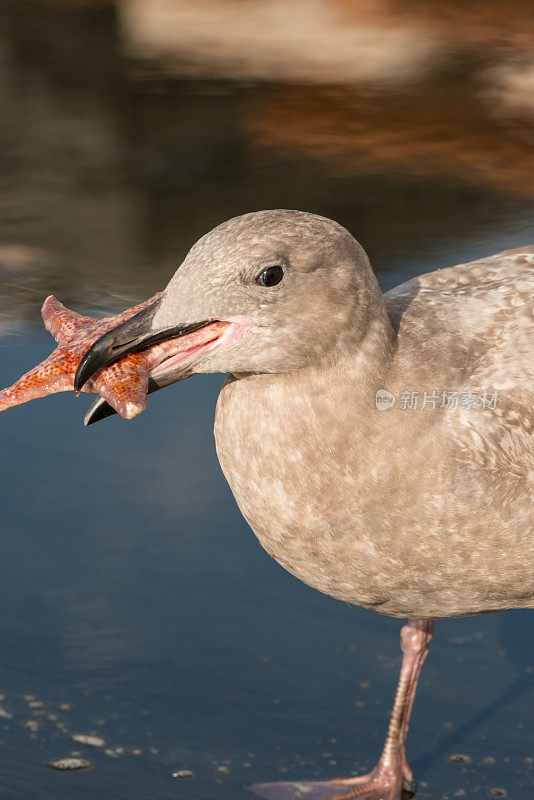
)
(136, 604)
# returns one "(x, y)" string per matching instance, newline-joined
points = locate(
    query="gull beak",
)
(137, 333)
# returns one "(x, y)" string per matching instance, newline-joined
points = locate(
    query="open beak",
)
(171, 352)
(132, 336)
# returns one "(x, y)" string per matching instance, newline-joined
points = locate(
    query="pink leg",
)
(428, 631)
(392, 773)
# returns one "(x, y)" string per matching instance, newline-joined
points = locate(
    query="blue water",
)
(130, 587)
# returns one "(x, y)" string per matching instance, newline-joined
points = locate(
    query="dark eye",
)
(270, 276)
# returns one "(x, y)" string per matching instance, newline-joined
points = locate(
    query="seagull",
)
(380, 446)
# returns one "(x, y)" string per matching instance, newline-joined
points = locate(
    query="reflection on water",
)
(131, 588)
(451, 136)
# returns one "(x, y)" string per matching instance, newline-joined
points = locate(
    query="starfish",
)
(123, 384)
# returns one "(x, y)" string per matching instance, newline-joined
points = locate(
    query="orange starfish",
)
(123, 384)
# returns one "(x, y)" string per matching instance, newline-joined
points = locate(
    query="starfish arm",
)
(52, 375)
(65, 324)
(61, 322)
(111, 322)
(124, 385)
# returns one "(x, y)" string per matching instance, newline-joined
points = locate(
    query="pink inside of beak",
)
(211, 338)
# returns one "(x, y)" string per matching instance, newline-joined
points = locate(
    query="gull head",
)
(292, 288)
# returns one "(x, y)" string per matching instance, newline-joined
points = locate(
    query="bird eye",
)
(270, 276)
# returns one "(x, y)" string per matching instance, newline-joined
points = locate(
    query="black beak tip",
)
(80, 378)
(93, 359)
(100, 409)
